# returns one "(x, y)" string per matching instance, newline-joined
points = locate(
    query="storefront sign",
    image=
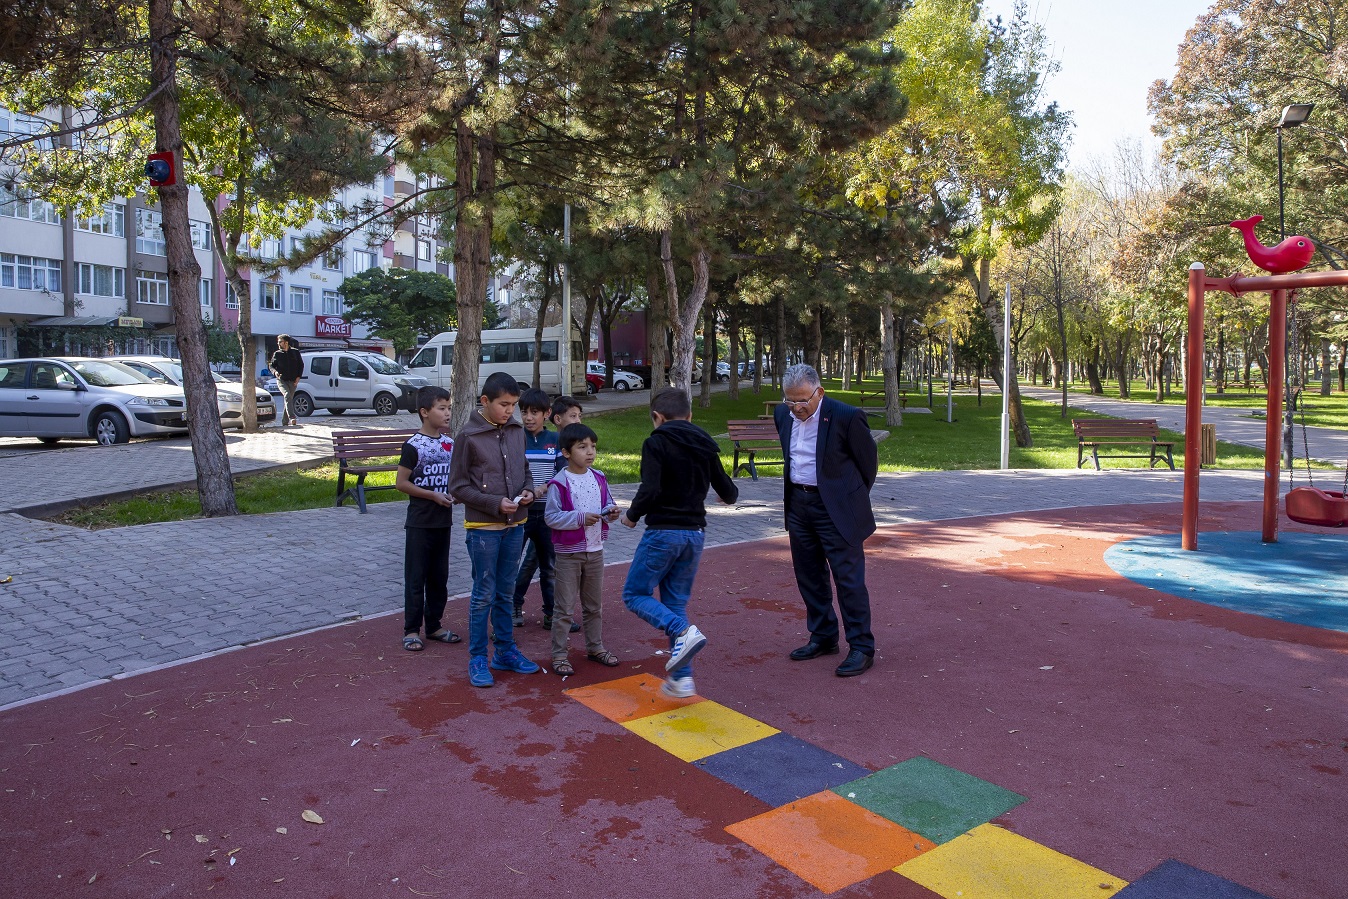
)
(331, 326)
(127, 321)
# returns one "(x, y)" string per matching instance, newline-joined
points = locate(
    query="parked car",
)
(78, 398)
(723, 371)
(593, 383)
(338, 380)
(622, 380)
(228, 394)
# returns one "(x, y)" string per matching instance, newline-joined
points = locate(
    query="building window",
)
(32, 210)
(332, 259)
(301, 299)
(271, 297)
(362, 261)
(30, 273)
(205, 292)
(332, 303)
(424, 250)
(201, 235)
(232, 298)
(101, 280)
(152, 289)
(111, 221)
(150, 233)
(13, 124)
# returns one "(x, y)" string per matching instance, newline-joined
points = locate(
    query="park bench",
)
(354, 451)
(751, 437)
(1097, 433)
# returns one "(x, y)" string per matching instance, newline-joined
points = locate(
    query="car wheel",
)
(524, 385)
(385, 404)
(304, 405)
(589, 389)
(336, 411)
(621, 386)
(110, 427)
(50, 441)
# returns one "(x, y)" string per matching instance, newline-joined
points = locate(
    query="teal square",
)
(929, 798)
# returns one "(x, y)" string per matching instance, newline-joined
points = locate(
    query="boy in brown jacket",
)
(490, 476)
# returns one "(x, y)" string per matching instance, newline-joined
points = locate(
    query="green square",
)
(929, 798)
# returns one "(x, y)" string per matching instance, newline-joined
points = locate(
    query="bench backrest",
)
(368, 444)
(1115, 427)
(752, 429)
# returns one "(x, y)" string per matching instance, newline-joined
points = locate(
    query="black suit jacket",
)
(846, 462)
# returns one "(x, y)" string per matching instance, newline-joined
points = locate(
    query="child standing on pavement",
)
(579, 510)
(490, 476)
(540, 450)
(423, 474)
(679, 461)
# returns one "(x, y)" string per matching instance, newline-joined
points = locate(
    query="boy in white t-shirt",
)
(579, 510)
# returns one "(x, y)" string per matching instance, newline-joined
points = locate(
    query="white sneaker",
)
(685, 647)
(678, 687)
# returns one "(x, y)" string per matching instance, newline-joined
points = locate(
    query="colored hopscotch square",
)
(929, 798)
(992, 863)
(628, 698)
(1176, 880)
(781, 768)
(699, 730)
(829, 842)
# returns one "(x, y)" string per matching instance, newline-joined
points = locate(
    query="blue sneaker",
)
(513, 660)
(478, 675)
(687, 645)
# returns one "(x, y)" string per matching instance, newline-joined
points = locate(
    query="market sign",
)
(128, 321)
(331, 326)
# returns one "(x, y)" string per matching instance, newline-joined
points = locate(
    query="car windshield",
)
(108, 374)
(383, 364)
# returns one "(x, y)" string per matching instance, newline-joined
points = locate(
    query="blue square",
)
(781, 769)
(1176, 880)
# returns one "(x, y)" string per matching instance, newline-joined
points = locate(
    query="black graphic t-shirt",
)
(428, 460)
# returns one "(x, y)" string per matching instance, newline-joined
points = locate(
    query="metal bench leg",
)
(360, 493)
(341, 486)
(1096, 454)
(753, 469)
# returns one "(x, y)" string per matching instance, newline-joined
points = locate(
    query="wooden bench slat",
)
(751, 437)
(1094, 433)
(348, 447)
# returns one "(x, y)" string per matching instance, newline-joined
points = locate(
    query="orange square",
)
(830, 842)
(629, 698)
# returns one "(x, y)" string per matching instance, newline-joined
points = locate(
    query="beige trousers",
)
(579, 576)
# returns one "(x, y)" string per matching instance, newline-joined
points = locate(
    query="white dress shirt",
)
(804, 437)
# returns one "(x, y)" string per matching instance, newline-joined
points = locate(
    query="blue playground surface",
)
(1303, 578)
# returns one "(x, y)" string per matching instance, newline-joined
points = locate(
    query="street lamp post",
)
(1292, 116)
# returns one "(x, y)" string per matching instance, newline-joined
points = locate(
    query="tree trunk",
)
(1221, 360)
(215, 483)
(657, 328)
(847, 353)
(684, 312)
(758, 357)
(1326, 381)
(889, 364)
(548, 276)
(475, 178)
(992, 309)
(708, 354)
(732, 327)
(779, 344)
(814, 339)
(1093, 370)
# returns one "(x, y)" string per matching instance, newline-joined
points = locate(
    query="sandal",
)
(412, 643)
(563, 668)
(445, 635)
(605, 658)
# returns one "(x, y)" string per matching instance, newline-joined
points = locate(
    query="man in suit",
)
(831, 463)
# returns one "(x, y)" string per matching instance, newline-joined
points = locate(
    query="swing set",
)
(1309, 504)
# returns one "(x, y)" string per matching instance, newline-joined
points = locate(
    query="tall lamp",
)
(1292, 116)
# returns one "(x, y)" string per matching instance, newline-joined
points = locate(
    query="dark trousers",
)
(540, 557)
(425, 578)
(816, 550)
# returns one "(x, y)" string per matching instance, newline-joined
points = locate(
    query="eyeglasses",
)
(801, 404)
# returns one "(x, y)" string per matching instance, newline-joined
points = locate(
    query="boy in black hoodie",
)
(679, 461)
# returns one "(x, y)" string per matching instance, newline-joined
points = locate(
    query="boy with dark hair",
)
(679, 461)
(540, 451)
(566, 410)
(490, 477)
(423, 474)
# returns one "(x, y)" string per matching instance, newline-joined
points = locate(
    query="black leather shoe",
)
(814, 650)
(855, 663)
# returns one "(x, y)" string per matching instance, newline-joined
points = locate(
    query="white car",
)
(228, 394)
(77, 398)
(622, 380)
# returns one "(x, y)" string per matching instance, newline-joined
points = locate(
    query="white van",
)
(338, 380)
(510, 350)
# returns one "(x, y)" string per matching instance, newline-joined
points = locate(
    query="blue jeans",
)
(666, 559)
(496, 559)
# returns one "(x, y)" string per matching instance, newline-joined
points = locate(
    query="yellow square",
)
(990, 862)
(697, 731)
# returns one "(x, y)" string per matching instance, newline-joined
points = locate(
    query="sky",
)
(1110, 53)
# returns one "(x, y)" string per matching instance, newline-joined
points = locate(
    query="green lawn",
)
(1320, 411)
(925, 442)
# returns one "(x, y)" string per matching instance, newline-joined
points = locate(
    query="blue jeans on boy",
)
(666, 559)
(496, 559)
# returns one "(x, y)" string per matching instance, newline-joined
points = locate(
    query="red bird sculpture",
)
(1292, 254)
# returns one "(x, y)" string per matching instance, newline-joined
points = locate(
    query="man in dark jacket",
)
(679, 461)
(287, 365)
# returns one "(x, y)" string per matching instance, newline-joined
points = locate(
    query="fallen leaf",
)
(312, 817)
(202, 839)
(95, 877)
(282, 831)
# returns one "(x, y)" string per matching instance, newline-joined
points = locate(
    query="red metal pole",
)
(1193, 408)
(1277, 365)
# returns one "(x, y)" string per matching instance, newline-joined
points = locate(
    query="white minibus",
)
(510, 350)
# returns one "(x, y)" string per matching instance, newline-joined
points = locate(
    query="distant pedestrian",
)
(490, 476)
(423, 474)
(679, 462)
(831, 463)
(287, 365)
(540, 449)
(579, 510)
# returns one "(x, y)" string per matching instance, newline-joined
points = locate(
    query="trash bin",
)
(1208, 439)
